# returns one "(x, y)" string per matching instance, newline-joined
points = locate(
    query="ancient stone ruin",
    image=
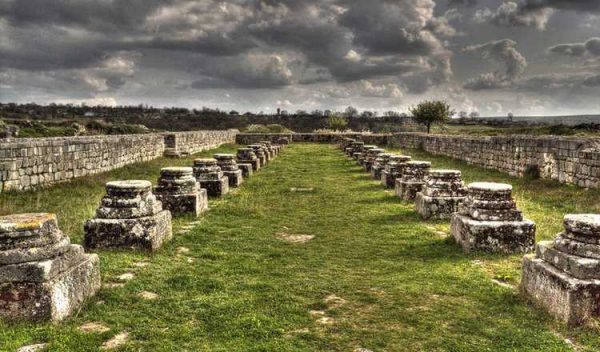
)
(379, 165)
(488, 220)
(355, 147)
(248, 156)
(393, 170)
(130, 217)
(369, 158)
(230, 169)
(360, 156)
(563, 277)
(283, 141)
(260, 152)
(180, 192)
(270, 150)
(43, 277)
(210, 176)
(412, 179)
(441, 195)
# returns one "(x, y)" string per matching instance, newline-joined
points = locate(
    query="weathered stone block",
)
(145, 233)
(51, 300)
(493, 236)
(235, 178)
(576, 266)
(436, 207)
(571, 300)
(182, 204)
(247, 169)
(42, 275)
(407, 190)
(180, 193)
(216, 188)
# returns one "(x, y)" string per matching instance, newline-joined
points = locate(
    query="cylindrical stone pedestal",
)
(488, 220)
(441, 195)
(129, 217)
(43, 277)
(355, 147)
(261, 153)
(563, 277)
(180, 192)
(369, 158)
(412, 179)
(360, 156)
(379, 165)
(230, 169)
(248, 156)
(393, 170)
(208, 173)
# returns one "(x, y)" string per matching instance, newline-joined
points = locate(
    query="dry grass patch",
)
(294, 238)
(117, 341)
(94, 327)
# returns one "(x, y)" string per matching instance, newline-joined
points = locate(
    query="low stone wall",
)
(250, 138)
(34, 162)
(565, 159)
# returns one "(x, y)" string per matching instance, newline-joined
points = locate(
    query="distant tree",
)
(367, 114)
(391, 113)
(430, 112)
(510, 116)
(327, 113)
(463, 114)
(317, 113)
(233, 113)
(350, 112)
(337, 122)
(301, 112)
(474, 114)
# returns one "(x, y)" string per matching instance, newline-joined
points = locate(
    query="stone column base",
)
(216, 188)
(51, 300)
(235, 178)
(436, 207)
(408, 190)
(568, 299)
(145, 233)
(246, 169)
(376, 173)
(388, 180)
(184, 204)
(493, 236)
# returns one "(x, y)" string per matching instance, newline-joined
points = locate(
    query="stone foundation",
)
(393, 170)
(563, 276)
(260, 152)
(441, 195)
(247, 169)
(412, 180)
(42, 276)
(370, 157)
(211, 177)
(129, 217)
(248, 156)
(180, 193)
(489, 221)
(379, 165)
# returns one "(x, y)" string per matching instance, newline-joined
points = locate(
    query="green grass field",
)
(374, 276)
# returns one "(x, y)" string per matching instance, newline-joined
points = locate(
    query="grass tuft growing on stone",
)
(374, 275)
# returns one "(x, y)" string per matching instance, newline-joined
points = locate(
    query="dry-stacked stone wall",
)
(33, 162)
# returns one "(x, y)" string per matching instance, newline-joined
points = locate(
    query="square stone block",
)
(254, 162)
(407, 190)
(570, 300)
(579, 267)
(388, 179)
(183, 204)
(146, 233)
(436, 207)
(246, 169)
(366, 164)
(376, 172)
(493, 236)
(43, 270)
(235, 178)
(51, 300)
(263, 160)
(216, 188)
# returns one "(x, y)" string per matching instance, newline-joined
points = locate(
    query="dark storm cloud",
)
(591, 47)
(504, 52)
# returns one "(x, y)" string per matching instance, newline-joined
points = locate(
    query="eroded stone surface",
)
(180, 192)
(50, 279)
(564, 276)
(442, 193)
(412, 179)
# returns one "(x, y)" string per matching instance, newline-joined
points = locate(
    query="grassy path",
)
(374, 276)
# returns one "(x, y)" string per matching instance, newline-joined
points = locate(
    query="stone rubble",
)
(180, 192)
(441, 195)
(230, 169)
(412, 179)
(129, 217)
(43, 277)
(488, 220)
(210, 176)
(393, 170)
(563, 276)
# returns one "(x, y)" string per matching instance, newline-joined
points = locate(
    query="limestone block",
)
(436, 207)
(216, 188)
(246, 168)
(493, 236)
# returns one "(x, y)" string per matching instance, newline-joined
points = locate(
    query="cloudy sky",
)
(491, 56)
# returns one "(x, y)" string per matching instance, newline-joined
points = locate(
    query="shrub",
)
(337, 122)
(271, 128)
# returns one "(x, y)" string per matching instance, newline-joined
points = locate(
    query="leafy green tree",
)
(430, 112)
(337, 122)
